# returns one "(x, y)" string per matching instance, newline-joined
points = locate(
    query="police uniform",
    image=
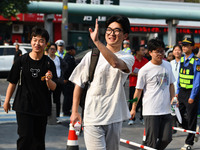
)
(188, 87)
(69, 86)
(126, 50)
(60, 43)
(61, 55)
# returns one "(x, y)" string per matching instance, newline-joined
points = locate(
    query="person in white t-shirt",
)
(156, 80)
(105, 106)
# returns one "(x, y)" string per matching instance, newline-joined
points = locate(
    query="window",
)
(1, 51)
(8, 51)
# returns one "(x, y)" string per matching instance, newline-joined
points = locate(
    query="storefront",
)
(145, 32)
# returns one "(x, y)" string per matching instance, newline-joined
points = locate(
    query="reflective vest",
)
(126, 49)
(64, 53)
(186, 74)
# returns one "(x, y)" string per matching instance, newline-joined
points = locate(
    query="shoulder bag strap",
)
(93, 63)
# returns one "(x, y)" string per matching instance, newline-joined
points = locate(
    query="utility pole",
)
(48, 24)
(172, 32)
(65, 22)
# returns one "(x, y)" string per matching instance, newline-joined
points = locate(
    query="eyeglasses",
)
(53, 49)
(159, 52)
(115, 31)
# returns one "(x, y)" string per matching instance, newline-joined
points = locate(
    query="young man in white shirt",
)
(156, 80)
(105, 106)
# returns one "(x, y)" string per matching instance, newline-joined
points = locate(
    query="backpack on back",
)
(93, 63)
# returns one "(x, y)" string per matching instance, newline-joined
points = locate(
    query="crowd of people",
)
(154, 81)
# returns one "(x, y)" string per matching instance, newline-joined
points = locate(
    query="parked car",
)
(7, 55)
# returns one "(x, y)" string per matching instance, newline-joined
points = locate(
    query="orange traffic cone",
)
(72, 143)
(144, 138)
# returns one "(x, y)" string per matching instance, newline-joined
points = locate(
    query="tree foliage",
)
(193, 1)
(9, 8)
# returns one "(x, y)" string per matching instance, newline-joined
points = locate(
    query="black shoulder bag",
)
(93, 63)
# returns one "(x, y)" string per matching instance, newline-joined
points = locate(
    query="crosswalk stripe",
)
(9, 117)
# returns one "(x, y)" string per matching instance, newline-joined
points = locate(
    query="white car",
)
(7, 55)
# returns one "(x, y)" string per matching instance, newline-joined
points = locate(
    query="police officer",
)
(188, 90)
(69, 86)
(126, 46)
(61, 52)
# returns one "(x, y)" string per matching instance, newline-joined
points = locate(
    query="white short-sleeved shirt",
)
(155, 81)
(57, 63)
(175, 69)
(105, 100)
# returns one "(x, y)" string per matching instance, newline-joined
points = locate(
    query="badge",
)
(184, 71)
(198, 67)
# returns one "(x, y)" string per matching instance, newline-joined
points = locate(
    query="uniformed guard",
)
(61, 52)
(126, 45)
(188, 90)
(69, 86)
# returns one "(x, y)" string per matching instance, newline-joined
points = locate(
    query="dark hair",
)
(137, 48)
(154, 44)
(41, 32)
(177, 45)
(122, 20)
(169, 52)
(52, 44)
(70, 47)
(195, 50)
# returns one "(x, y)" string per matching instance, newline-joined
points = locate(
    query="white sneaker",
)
(142, 121)
(186, 147)
(196, 138)
(131, 122)
(58, 121)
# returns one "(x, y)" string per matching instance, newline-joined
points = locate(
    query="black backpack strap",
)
(93, 63)
(47, 62)
(23, 60)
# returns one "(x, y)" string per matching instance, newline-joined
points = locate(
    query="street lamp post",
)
(65, 22)
(172, 32)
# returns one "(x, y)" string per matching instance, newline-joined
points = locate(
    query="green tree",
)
(193, 1)
(9, 8)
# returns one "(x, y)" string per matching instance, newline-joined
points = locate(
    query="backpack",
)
(93, 63)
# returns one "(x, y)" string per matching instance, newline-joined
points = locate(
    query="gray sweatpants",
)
(158, 131)
(102, 137)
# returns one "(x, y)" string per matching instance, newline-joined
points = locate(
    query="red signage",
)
(163, 30)
(32, 17)
(146, 29)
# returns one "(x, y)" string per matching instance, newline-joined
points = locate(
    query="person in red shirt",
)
(140, 61)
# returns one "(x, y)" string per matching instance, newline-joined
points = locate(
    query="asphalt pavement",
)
(57, 135)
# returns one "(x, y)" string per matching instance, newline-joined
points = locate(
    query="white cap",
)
(126, 42)
(60, 43)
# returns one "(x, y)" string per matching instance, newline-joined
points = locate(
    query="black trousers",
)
(56, 98)
(68, 98)
(188, 113)
(158, 131)
(139, 105)
(31, 131)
